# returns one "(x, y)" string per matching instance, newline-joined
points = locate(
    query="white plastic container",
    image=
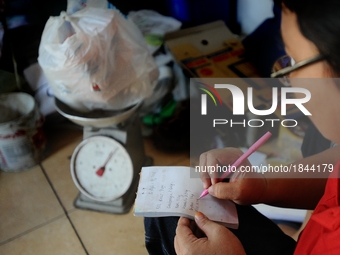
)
(22, 140)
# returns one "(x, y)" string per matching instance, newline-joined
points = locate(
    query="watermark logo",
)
(211, 91)
(239, 101)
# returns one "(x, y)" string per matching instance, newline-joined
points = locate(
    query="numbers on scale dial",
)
(107, 153)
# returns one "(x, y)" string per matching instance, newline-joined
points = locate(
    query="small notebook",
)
(171, 191)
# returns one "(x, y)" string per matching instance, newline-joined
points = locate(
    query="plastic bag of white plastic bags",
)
(96, 59)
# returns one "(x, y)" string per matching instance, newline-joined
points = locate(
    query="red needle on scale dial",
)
(101, 170)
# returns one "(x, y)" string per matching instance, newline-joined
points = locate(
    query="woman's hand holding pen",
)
(203, 236)
(249, 189)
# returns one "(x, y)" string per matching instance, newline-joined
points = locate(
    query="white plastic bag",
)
(96, 59)
(154, 26)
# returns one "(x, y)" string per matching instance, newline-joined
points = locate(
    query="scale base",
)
(121, 205)
(118, 206)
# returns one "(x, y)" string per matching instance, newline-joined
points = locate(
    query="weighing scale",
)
(105, 166)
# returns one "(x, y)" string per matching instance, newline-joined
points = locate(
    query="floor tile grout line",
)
(32, 229)
(64, 209)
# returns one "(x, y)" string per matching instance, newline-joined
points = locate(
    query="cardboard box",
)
(210, 51)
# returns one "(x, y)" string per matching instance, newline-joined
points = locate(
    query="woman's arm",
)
(292, 190)
(301, 189)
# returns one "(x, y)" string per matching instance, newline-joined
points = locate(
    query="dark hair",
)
(319, 21)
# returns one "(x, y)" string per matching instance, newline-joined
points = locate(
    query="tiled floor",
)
(37, 215)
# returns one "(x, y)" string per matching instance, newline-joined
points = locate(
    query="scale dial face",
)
(101, 168)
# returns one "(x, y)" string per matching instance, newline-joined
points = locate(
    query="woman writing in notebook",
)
(311, 34)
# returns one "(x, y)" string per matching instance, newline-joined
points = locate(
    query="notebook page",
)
(170, 191)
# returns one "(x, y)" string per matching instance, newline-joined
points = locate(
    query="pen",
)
(244, 156)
